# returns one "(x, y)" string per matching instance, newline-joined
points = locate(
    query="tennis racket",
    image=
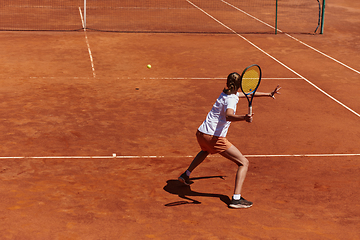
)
(249, 83)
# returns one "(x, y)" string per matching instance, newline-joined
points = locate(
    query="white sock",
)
(236, 196)
(187, 173)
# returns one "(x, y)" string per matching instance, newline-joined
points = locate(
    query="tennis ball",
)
(149, 66)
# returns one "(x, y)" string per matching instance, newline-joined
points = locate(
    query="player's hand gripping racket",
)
(249, 83)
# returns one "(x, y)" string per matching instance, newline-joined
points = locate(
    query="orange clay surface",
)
(52, 107)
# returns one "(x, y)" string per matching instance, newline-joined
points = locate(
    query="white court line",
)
(316, 50)
(189, 156)
(337, 61)
(202, 78)
(88, 45)
(275, 59)
(159, 78)
(250, 15)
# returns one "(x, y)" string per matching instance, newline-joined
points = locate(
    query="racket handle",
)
(250, 113)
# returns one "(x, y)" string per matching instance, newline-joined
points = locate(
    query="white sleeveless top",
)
(215, 123)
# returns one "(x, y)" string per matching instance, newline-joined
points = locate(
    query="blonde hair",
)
(233, 83)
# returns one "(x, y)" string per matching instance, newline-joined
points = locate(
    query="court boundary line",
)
(114, 156)
(248, 14)
(275, 59)
(88, 44)
(165, 78)
(324, 54)
(202, 78)
(294, 38)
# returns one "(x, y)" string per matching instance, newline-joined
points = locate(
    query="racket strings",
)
(250, 80)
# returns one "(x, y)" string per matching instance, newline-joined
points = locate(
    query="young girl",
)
(211, 136)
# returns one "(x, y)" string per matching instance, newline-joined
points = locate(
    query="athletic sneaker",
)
(242, 203)
(184, 179)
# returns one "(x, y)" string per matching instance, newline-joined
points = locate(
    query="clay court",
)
(92, 141)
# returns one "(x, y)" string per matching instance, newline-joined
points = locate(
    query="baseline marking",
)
(275, 59)
(166, 78)
(193, 78)
(87, 43)
(114, 156)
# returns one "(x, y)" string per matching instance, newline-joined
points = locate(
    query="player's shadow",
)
(185, 192)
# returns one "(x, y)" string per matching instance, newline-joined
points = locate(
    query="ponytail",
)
(233, 83)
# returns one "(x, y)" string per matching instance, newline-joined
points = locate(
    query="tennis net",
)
(56, 15)
(173, 16)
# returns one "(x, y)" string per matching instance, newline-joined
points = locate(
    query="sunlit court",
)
(100, 102)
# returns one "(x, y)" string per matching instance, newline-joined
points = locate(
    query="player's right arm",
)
(230, 116)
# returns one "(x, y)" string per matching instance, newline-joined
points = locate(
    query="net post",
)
(84, 14)
(322, 17)
(276, 15)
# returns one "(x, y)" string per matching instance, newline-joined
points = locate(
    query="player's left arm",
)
(270, 94)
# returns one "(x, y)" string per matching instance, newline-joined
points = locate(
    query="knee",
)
(244, 162)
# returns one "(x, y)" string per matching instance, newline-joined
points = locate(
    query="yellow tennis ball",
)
(149, 66)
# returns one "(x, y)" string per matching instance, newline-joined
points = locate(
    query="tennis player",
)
(211, 136)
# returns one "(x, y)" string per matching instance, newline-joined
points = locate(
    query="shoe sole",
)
(183, 181)
(239, 206)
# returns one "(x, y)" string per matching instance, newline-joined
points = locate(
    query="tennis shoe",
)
(185, 179)
(242, 203)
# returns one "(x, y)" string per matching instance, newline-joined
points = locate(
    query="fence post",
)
(276, 14)
(84, 14)
(322, 17)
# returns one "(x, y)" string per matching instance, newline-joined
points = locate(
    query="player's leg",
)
(235, 155)
(200, 157)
